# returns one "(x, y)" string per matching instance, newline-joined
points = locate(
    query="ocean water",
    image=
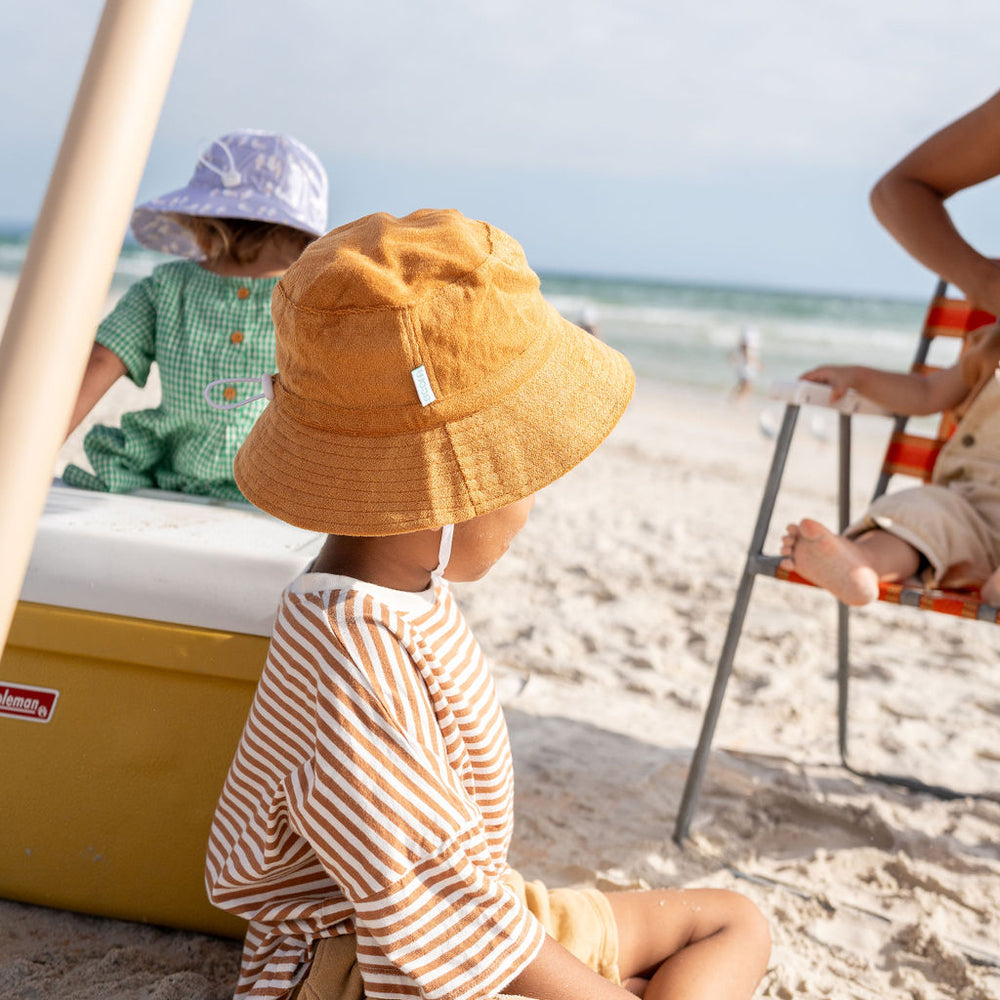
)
(681, 332)
(687, 332)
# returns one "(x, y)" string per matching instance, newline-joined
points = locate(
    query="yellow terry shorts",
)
(579, 919)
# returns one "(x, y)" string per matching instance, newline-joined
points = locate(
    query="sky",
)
(729, 141)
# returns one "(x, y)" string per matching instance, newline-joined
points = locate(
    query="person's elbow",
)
(879, 197)
(903, 190)
(887, 195)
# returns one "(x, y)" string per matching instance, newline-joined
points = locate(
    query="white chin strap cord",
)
(444, 553)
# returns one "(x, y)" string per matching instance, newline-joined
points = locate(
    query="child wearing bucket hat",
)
(255, 201)
(425, 392)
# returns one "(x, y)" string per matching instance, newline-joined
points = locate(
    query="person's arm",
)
(125, 344)
(555, 974)
(909, 200)
(901, 392)
(104, 368)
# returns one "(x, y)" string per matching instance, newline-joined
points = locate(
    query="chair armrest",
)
(802, 393)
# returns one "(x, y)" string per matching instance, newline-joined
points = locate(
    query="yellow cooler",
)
(131, 663)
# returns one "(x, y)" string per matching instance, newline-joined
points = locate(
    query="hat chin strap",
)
(230, 177)
(444, 553)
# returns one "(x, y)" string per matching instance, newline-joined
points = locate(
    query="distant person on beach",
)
(745, 359)
(255, 201)
(364, 826)
(948, 531)
(588, 319)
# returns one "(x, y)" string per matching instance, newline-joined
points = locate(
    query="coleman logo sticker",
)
(17, 701)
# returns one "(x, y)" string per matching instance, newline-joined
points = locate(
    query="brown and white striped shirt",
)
(372, 793)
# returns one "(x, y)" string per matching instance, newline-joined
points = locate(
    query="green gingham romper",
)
(197, 326)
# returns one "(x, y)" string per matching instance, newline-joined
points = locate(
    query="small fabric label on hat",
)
(423, 386)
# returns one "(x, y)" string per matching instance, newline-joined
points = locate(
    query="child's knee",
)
(749, 926)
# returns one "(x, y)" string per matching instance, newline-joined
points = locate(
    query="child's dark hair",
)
(240, 240)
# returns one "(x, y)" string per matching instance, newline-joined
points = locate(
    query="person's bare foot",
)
(830, 562)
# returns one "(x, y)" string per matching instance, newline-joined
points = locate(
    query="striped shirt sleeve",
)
(389, 818)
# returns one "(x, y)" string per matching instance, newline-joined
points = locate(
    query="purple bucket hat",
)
(247, 174)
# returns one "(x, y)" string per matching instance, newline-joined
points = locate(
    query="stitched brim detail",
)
(365, 485)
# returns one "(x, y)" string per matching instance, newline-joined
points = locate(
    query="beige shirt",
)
(973, 451)
(979, 361)
(372, 793)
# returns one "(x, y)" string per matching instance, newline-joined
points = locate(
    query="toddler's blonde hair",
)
(241, 240)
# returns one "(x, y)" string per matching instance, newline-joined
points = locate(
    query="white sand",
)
(604, 624)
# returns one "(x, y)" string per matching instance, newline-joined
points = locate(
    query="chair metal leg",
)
(844, 473)
(843, 677)
(843, 611)
(696, 771)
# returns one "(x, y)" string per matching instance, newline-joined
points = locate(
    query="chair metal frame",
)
(945, 317)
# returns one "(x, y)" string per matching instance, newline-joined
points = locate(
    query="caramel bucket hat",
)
(422, 380)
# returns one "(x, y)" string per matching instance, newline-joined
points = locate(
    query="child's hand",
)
(980, 356)
(840, 378)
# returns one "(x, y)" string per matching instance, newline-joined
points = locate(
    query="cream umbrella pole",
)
(71, 258)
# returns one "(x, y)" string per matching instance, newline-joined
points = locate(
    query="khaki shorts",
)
(956, 528)
(579, 919)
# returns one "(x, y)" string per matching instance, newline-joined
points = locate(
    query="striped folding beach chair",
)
(907, 454)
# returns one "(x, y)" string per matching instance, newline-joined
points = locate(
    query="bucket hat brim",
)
(384, 485)
(155, 230)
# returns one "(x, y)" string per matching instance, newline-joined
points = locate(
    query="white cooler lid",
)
(165, 557)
